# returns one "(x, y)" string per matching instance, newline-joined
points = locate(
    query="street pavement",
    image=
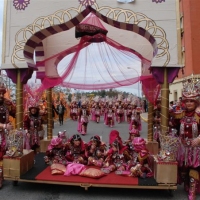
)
(40, 191)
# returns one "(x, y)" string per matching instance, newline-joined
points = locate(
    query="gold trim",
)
(19, 101)
(165, 102)
(3, 56)
(158, 187)
(61, 16)
(150, 122)
(49, 114)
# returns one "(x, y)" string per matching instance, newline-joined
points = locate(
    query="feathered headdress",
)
(120, 97)
(31, 97)
(83, 100)
(96, 99)
(191, 89)
(129, 98)
(135, 101)
(74, 98)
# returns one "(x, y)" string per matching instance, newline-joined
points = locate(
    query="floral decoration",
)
(20, 4)
(87, 2)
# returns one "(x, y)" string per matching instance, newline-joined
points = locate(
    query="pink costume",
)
(83, 119)
(117, 155)
(95, 151)
(76, 153)
(33, 127)
(97, 113)
(189, 122)
(110, 120)
(74, 111)
(93, 112)
(119, 112)
(56, 152)
(105, 109)
(129, 113)
(136, 116)
(7, 108)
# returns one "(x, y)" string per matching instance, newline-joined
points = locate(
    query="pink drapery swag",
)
(97, 62)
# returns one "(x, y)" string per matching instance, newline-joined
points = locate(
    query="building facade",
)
(188, 31)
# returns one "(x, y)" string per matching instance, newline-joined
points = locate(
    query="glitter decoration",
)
(20, 4)
(158, 1)
(87, 2)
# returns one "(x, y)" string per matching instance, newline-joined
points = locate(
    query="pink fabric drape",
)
(112, 50)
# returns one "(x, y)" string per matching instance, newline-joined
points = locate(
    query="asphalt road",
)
(38, 191)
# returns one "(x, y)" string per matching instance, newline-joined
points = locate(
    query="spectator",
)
(60, 110)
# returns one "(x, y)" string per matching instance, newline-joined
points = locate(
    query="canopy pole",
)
(45, 142)
(49, 114)
(165, 102)
(150, 122)
(19, 101)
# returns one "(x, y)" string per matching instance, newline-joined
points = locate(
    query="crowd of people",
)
(108, 110)
(129, 157)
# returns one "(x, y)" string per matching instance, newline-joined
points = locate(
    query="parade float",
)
(44, 37)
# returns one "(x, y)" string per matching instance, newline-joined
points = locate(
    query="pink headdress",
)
(115, 139)
(63, 136)
(55, 142)
(191, 89)
(31, 98)
(139, 144)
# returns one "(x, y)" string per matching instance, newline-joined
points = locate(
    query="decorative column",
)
(49, 114)
(151, 145)
(19, 101)
(150, 123)
(45, 142)
(165, 102)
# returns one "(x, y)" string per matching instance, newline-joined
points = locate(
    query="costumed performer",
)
(7, 108)
(33, 125)
(110, 115)
(189, 122)
(117, 156)
(56, 152)
(83, 118)
(76, 150)
(95, 151)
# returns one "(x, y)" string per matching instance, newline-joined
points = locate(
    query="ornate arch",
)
(28, 38)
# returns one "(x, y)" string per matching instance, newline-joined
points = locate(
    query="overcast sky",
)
(135, 89)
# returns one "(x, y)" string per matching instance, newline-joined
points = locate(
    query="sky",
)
(134, 89)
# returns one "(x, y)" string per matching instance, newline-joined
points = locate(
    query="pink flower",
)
(20, 4)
